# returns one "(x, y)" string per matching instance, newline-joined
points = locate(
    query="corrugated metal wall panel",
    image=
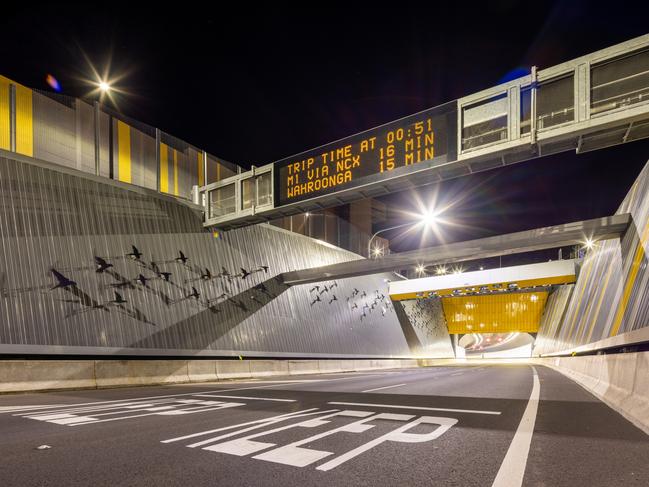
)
(54, 221)
(611, 295)
(428, 322)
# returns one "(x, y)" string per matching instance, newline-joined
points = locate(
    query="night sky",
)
(273, 81)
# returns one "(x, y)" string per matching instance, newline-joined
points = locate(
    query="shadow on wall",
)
(200, 330)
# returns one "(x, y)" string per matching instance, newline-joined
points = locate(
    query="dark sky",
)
(269, 82)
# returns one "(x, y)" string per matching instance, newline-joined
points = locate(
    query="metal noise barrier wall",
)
(95, 139)
(96, 269)
(611, 295)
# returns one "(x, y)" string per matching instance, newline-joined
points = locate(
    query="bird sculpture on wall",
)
(141, 279)
(314, 288)
(244, 273)
(181, 257)
(316, 300)
(194, 294)
(224, 273)
(118, 299)
(62, 281)
(102, 265)
(334, 298)
(135, 254)
(206, 275)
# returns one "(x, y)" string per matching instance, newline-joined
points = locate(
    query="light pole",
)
(369, 243)
(428, 218)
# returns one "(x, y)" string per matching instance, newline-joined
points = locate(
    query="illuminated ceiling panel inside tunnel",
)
(495, 313)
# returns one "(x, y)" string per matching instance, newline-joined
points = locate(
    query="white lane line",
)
(247, 397)
(130, 400)
(257, 421)
(512, 469)
(386, 387)
(457, 373)
(420, 408)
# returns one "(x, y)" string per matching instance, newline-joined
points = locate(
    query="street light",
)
(104, 86)
(428, 218)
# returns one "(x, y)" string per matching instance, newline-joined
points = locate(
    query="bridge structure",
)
(129, 257)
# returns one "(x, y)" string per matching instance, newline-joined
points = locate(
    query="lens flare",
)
(53, 83)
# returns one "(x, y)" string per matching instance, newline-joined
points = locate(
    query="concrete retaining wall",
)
(620, 380)
(35, 375)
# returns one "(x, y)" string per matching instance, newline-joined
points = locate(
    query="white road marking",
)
(247, 397)
(420, 408)
(265, 420)
(386, 387)
(512, 469)
(398, 435)
(245, 430)
(244, 446)
(457, 373)
(130, 400)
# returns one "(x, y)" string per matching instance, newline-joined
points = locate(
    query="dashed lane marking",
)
(386, 387)
(418, 408)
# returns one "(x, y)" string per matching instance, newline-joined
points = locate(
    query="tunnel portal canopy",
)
(501, 300)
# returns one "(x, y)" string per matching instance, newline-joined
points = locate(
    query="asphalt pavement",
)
(468, 425)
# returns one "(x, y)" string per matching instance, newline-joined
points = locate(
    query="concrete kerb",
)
(619, 380)
(202, 370)
(300, 367)
(112, 373)
(41, 375)
(233, 369)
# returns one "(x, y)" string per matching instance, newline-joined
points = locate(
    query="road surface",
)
(472, 425)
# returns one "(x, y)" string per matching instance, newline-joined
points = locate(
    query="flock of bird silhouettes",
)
(203, 274)
(379, 299)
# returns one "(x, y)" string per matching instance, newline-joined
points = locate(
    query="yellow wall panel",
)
(124, 151)
(24, 121)
(164, 168)
(495, 313)
(175, 172)
(199, 161)
(5, 136)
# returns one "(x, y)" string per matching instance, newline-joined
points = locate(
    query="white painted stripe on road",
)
(201, 433)
(248, 397)
(386, 387)
(512, 469)
(420, 408)
(98, 403)
(457, 373)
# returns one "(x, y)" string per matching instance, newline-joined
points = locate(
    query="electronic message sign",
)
(355, 160)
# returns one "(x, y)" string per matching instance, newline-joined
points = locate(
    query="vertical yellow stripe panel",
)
(124, 152)
(199, 160)
(175, 172)
(628, 287)
(5, 137)
(24, 121)
(164, 168)
(602, 293)
(630, 281)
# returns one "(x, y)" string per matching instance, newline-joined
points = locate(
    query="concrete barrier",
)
(39, 375)
(113, 373)
(33, 375)
(299, 367)
(620, 380)
(233, 369)
(201, 370)
(266, 368)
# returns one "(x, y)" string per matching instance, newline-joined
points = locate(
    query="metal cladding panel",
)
(54, 131)
(429, 324)
(495, 313)
(555, 308)
(53, 223)
(611, 295)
